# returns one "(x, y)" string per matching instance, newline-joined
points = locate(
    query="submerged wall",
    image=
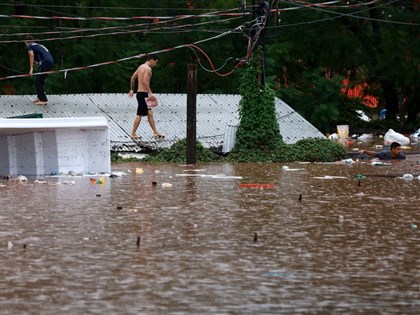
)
(54, 146)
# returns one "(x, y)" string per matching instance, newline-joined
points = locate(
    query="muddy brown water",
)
(209, 246)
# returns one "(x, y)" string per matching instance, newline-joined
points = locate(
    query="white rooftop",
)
(216, 116)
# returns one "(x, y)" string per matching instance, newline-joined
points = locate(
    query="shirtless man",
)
(143, 74)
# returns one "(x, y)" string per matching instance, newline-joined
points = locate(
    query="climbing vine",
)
(258, 135)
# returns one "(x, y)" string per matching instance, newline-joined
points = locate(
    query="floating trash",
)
(167, 185)
(22, 178)
(288, 169)
(348, 161)
(117, 174)
(139, 171)
(217, 176)
(40, 181)
(407, 176)
(378, 163)
(330, 177)
(413, 226)
(100, 181)
(257, 186)
(360, 176)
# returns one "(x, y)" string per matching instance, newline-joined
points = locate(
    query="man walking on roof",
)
(40, 55)
(143, 75)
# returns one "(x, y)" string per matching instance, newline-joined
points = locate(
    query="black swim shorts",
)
(142, 106)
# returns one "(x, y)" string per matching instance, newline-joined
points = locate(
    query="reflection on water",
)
(341, 249)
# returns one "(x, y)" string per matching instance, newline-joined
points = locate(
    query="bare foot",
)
(36, 100)
(135, 136)
(41, 103)
(158, 135)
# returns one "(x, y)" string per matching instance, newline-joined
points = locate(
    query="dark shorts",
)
(142, 108)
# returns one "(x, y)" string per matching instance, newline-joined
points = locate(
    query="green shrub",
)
(115, 158)
(312, 150)
(177, 153)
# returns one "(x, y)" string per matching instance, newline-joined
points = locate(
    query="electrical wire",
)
(352, 15)
(65, 71)
(150, 30)
(108, 18)
(99, 7)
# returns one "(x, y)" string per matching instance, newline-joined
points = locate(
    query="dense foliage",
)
(258, 134)
(177, 153)
(312, 150)
(310, 51)
(258, 137)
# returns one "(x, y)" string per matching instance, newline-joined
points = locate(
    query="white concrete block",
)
(43, 146)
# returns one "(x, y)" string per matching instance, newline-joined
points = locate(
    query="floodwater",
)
(309, 244)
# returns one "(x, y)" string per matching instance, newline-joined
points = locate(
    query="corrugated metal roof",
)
(216, 114)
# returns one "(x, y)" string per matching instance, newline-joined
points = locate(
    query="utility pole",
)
(260, 13)
(264, 13)
(192, 114)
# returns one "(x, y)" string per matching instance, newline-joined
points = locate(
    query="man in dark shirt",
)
(40, 55)
(393, 154)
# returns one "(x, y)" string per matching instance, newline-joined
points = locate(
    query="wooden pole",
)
(191, 114)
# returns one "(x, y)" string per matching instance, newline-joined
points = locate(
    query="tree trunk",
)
(390, 96)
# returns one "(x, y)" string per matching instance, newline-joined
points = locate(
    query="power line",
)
(353, 15)
(108, 8)
(123, 32)
(65, 71)
(108, 18)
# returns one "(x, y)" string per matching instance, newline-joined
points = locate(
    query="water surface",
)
(309, 245)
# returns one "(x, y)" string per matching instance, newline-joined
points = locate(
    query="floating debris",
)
(360, 176)
(288, 169)
(330, 177)
(407, 176)
(40, 181)
(262, 186)
(117, 174)
(378, 163)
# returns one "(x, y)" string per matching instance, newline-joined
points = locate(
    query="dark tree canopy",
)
(310, 50)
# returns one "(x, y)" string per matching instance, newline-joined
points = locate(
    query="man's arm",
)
(132, 81)
(146, 82)
(370, 153)
(31, 61)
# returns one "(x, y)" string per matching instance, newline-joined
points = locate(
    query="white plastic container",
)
(343, 131)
